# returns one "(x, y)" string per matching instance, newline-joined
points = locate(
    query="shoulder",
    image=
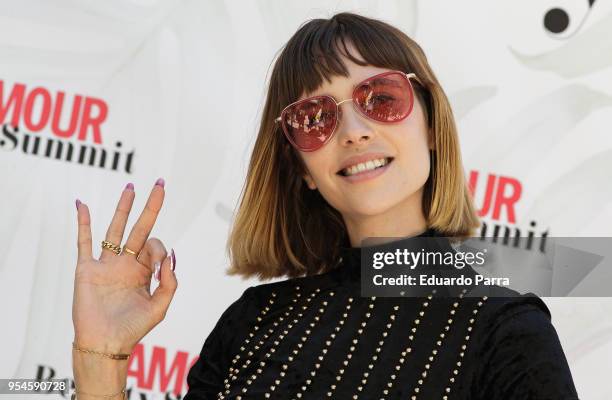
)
(281, 291)
(509, 315)
(259, 295)
(518, 349)
(499, 315)
(235, 312)
(505, 304)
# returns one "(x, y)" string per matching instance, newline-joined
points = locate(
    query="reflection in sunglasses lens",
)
(385, 99)
(310, 123)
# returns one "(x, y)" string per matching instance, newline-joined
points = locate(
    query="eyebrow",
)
(391, 82)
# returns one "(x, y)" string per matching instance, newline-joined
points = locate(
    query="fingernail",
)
(77, 203)
(129, 186)
(157, 272)
(172, 259)
(160, 182)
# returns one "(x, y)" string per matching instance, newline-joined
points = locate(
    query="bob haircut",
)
(283, 228)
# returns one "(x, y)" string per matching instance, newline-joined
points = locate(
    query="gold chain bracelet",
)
(120, 356)
(74, 394)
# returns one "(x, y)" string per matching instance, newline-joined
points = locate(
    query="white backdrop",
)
(182, 84)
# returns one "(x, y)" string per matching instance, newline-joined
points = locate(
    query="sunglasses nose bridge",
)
(350, 99)
(353, 126)
(344, 101)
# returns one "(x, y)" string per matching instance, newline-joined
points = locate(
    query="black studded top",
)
(316, 338)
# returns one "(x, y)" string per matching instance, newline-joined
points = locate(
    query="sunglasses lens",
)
(386, 98)
(310, 123)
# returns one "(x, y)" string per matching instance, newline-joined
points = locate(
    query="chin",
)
(372, 207)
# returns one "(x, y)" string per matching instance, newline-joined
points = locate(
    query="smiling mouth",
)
(363, 168)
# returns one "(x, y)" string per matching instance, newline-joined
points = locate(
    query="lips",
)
(363, 160)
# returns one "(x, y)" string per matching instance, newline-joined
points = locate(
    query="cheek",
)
(414, 170)
(317, 164)
(414, 156)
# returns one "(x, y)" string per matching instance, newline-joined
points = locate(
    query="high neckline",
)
(350, 263)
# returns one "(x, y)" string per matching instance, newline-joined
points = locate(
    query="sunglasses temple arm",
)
(413, 75)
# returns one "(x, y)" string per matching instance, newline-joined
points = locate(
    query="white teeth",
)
(365, 166)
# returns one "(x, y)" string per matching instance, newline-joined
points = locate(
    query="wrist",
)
(103, 346)
(113, 356)
(80, 395)
(98, 375)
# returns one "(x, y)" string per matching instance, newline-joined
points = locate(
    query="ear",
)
(309, 181)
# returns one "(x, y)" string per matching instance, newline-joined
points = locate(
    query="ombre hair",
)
(283, 228)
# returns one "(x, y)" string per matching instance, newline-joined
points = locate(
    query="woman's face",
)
(394, 191)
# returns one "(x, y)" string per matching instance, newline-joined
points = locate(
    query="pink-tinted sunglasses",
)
(387, 97)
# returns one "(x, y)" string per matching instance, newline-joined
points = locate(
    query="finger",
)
(163, 294)
(84, 232)
(142, 228)
(153, 251)
(114, 234)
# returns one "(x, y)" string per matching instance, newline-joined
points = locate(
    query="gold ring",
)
(126, 250)
(111, 246)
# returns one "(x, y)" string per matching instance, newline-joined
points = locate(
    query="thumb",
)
(163, 294)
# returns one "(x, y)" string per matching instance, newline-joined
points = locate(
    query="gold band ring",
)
(111, 246)
(132, 252)
(126, 250)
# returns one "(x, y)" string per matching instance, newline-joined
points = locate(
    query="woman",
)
(324, 175)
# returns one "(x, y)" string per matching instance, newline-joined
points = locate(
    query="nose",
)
(352, 128)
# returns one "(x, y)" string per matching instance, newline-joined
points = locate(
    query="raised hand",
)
(112, 308)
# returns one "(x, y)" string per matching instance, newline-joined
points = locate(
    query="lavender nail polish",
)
(77, 203)
(129, 186)
(157, 272)
(172, 259)
(160, 182)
